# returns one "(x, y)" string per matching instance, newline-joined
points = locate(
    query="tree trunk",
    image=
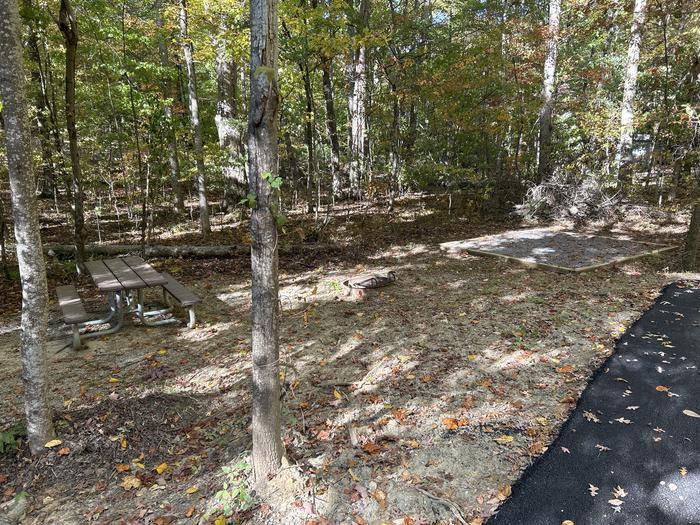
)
(356, 101)
(262, 167)
(544, 166)
(204, 225)
(339, 182)
(26, 219)
(228, 126)
(68, 25)
(624, 148)
(308, 134)
(692, 240)
(173, 157)
(3, 233)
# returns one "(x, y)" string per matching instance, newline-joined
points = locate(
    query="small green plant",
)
(9, 438)
(235, 495)
(335, 286)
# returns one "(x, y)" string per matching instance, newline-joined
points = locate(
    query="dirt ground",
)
(417, 403)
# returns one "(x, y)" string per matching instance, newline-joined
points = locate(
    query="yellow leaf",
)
(123, 443)
(337, 394)
(683, 471)
(162, 351)
(161, 468)
(220, 521)
(192, 489)
(353, 475)
(504, 492)
(53, 443)
(137, 463)
(541, 420)
(472, 357)
(503, 440)
(114, 380)
(130, 482)
(567, 522)
(282, 375)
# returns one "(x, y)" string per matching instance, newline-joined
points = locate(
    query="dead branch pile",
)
(568, 197)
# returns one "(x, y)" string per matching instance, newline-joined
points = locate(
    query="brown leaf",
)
(504, 492)
(662, 388)
(380, 496)
(189, 512)
(468, 402)
(450, 423)
(566, 369)
(63, 451)
(371, 448)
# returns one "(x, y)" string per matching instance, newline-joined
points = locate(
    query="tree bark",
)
(544, 166)
(68, 25)
(692, 240)
(262, 166)
(32, 269)
(173, 156)
(204, 225)
(624, 148)
(356, 101)
(339, 179)
(228, 126)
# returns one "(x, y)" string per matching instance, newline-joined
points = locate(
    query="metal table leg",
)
(143, 316)
(119, 312)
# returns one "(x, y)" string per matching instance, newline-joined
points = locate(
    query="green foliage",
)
(235, 494)
(9, 438)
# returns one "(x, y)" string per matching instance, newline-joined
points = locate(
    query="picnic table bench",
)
(123, 280)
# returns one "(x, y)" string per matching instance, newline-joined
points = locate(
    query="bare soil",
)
(417, 403)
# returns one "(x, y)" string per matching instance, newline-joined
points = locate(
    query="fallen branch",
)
(191, 251)
(447, 503)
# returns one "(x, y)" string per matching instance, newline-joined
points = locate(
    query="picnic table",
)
(123, 280)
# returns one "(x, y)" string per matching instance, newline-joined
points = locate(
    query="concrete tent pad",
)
(553, 248)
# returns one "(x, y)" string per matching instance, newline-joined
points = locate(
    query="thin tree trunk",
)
(3, 234)
(231, 134)
(309, 134)
(339, 182)
(262, 167)
(544, 166)
(173, 157)
(32, 269)
(68, 25)
(624, 148)
(356, 102)
(692, 240)
(204, 225)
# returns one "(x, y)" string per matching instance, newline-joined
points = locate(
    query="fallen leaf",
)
(114, 380)
(53, 443)
(63, 451)
(192, 489)
(565, 450)
(662, 388)
(683, 471)
(371, 448)
(220, 521)
(590, 416)
(130, 482)
(593, 489)
(337, 394)
(566, 369)
(123, 443)
(567, 522)
(504, 492)
(161, 468)
(619, 492)
(623, 420)
(690, 413)
(503, 440)
(450, 423)
(123, 467)
(380, 496)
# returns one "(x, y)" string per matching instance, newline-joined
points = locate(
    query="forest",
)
(289, 210)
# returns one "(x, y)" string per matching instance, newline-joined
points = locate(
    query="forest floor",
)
(418, 403)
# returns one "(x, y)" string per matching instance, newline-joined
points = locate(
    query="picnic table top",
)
(123, 273)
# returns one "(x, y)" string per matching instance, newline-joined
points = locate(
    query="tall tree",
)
(187, 49)
(544, 166)
(68, 25)
(338, 179)
(173, 156)
(262, 170)
(227, 124)
(30, 255)
(356, 96)
(624, 147)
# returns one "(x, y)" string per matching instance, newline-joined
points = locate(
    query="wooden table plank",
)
(145, 271)
(102, 276)
(127, 277)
